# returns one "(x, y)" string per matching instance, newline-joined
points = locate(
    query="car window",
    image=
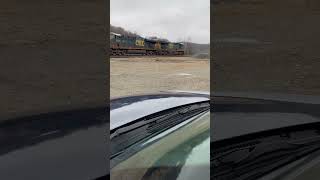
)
(181, 152)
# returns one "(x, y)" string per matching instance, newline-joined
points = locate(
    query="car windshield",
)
(181, 152)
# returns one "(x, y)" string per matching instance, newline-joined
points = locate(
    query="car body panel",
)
(238, 114)
(127, 109)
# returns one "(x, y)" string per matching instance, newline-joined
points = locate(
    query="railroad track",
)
(151, 56)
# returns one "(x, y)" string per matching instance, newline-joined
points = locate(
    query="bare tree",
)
(120, 30)
(188, 49)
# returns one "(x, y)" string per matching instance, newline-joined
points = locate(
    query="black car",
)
(160, 136)
(263, 136)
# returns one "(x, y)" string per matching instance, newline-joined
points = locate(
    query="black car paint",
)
(124, 101)
(127, 109)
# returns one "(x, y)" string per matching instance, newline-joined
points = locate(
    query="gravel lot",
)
(153, 74)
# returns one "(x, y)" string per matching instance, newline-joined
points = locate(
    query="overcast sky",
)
(175, 20)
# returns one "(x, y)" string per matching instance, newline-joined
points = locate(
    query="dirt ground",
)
(153, 74)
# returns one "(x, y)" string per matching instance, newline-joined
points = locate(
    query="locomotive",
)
(121, 45)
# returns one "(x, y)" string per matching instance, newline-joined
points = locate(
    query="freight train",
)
(121, 45)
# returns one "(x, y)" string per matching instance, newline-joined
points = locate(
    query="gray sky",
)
(171, 19)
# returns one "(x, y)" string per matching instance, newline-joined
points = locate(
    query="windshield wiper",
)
(255, 158)
(148, 127)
